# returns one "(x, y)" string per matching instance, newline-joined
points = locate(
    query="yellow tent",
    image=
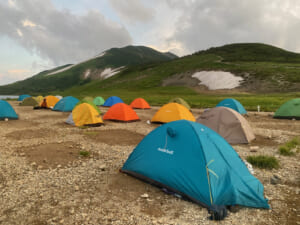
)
(171, 112)
(39, 98)
(49, 101)
(85, 115)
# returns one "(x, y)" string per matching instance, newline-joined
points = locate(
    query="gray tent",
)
(228, 123)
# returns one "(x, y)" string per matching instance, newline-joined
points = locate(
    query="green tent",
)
(98, 101)
(181, 101)
(289, 110)
(89, 102)
(89, 99)
(30, 101)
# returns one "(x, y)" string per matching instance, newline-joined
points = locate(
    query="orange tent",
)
(171, 112)
(121, 112)
(140, 103)
(49, 101)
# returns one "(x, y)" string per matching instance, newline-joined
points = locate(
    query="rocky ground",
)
(44, 179)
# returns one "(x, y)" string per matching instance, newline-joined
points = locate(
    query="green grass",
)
(84, 153)
(161, 95)
(263, 162)
(288, 147)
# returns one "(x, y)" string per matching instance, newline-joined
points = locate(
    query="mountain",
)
(262, 68)
(100, 67)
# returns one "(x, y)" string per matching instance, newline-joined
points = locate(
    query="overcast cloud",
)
(60, 35)
(206, 23)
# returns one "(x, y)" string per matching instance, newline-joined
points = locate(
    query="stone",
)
(275, 179)
(102, 167)
(145, 195)
(254, 148)
(76, 188)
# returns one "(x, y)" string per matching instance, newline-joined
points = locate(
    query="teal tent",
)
(98, 101)
(233, 104)
(22, 97)
(66, 104)
(189, 159)
(7, 111)
(112, 100)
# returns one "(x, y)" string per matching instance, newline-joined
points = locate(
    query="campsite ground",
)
(45, 180)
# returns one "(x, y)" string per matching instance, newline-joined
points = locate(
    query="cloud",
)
(207, 23)
(18, 71)
(133, 11)
(59, 36)
(13, 75)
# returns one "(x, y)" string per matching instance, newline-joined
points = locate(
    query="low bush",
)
(287, 148)
(84, 153)
(263, 162)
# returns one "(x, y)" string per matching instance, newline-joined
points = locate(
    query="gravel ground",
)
(45, 180)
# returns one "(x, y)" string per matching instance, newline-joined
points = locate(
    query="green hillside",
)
(46, 82)
(271, 72)
(260, 76)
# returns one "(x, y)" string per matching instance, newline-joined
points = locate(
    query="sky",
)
(36, 35)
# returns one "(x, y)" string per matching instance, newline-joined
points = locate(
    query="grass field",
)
(161, 95)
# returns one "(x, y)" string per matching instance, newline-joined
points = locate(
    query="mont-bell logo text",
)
(170, 152)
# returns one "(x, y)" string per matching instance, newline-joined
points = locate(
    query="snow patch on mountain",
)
(218, 79)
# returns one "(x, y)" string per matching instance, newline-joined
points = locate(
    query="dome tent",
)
(191, 160)
(84, 114)
(112, 100)
(7, 111)
(66, 104)
(171, 112)
(59, 97)
(231, 125)
(98, 101)
(181, 101)
(39, 98)
(289, 110)
(233, 104)
(88, 99)
(140, 103)
(30, 101)
(49, 102)
(121, 112)
(22, 97)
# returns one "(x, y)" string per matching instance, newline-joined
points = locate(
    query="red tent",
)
(121, 112)
(140, 103)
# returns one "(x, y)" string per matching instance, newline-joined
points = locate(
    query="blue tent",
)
(189, 159)
(6, 111)
(22, 97)
(233, 104)
(66, 104)
(112, 100)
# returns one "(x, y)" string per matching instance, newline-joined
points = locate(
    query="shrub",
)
(263, 162)
(84, 153)
(289, 146)
(285, 150)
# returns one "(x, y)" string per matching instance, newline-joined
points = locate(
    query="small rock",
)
(33, 164)
(22, 154)
(103, 167)
(275, 179)
(254, 148)
(145, 195)
(6, 119)
(76, 188)
(72, 211)
(58, 166)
